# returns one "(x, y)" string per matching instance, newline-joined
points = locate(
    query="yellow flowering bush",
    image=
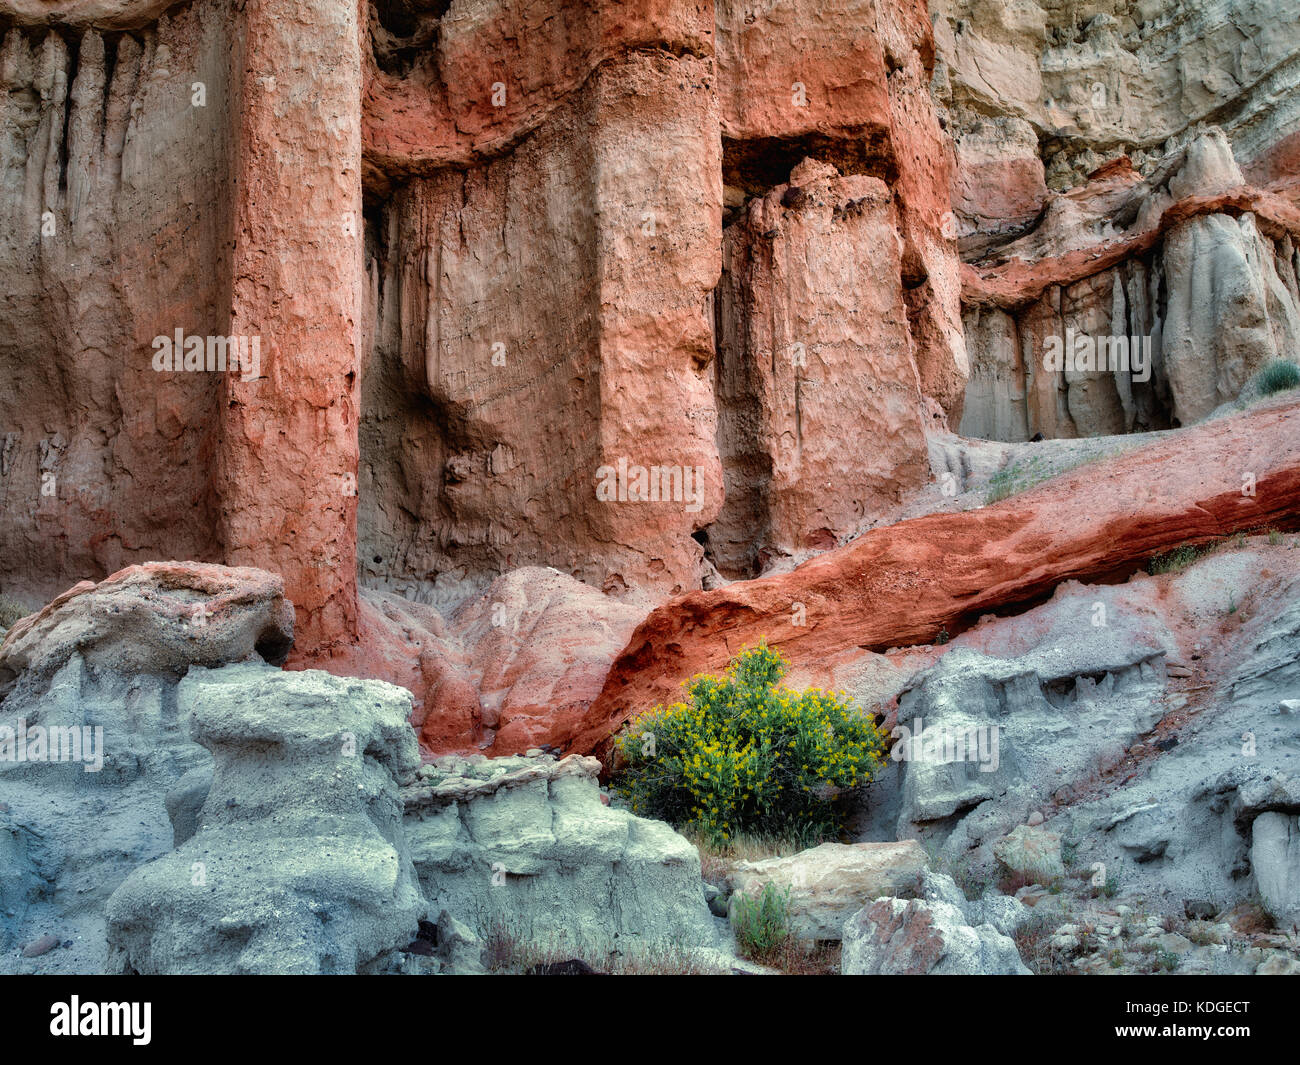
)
(745, 754)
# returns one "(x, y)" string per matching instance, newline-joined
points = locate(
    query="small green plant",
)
(1274, 537)
(762, 924)
(744, 754)
(1017, 478)
(1069, 853)
(1278, 376)
(1165, 961)
(1111, 887)
(1178, 559)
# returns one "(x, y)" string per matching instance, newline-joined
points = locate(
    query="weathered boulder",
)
(827, 884)
(92, 741)
(1003, 912)
(158, 618)
(914, 937)
(1031, 854)
(1275, 859)
(524, 848)
(298, 864)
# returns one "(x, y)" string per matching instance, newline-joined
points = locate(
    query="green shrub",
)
(745, 754)
(1278, 376)
(762, 924)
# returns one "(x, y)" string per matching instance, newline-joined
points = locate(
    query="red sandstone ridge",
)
(1019, 282)
(902, 584)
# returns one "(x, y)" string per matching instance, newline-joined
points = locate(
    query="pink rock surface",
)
(514, 668)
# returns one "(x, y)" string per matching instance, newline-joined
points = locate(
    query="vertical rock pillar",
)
(286, 474)
(659, 212)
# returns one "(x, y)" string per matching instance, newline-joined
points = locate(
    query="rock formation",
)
(1100, 153)
(524, 848)
(478, 271)
(494, 367)
(92, 739)
(658, 298)
(297, 863)
(907, 583)
(171, 802)
(912, 937)
(1162, 295)
(826, 885)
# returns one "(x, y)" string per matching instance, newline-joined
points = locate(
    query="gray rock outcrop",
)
(827, 884)
(524, 848)
(298, 865)
(918, 937)
(92, 738)
(992, 737)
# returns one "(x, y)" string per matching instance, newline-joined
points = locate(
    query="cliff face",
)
(115, 214)
(534, 294)
(660, 295)
(597, 264)
(1110, 129)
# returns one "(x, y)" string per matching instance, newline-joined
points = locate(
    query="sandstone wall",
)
(500, 260)
(1042, 97)
(115, 195)
(1192, 263)
(554, 290)
(812, 308)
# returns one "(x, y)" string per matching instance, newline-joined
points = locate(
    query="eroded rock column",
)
(287, 468)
